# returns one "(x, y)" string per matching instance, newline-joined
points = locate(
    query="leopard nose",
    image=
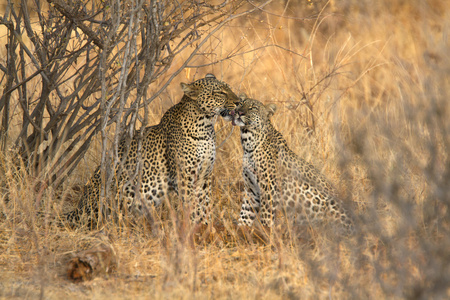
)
(232, 112)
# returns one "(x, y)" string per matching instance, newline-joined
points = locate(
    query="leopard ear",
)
(242, 96)
(271, 109)
(190, 90)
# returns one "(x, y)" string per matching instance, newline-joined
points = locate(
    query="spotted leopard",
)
(178, 154)
(276, 178)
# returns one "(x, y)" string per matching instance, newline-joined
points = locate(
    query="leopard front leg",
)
(268, 209)
(260, 197)
(268, 186)
(249, 209)
(251, 203)
(201, 212)
(195, 194)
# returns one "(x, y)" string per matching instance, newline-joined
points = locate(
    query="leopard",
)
(178, 154)
(277, 179)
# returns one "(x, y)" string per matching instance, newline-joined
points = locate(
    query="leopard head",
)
(212, 96)
(251, 113)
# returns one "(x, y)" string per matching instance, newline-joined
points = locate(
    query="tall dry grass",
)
(362, 91)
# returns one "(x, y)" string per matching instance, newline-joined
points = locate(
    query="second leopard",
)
(276, 178)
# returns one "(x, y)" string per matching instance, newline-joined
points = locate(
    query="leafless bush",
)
(79, 68)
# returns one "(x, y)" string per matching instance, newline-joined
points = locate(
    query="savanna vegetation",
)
(362, 89)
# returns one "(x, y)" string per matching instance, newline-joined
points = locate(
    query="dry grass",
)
(363, 93)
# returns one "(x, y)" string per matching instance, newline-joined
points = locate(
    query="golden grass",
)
(380, 133)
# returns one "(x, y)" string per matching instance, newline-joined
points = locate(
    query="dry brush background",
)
(362, 89)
